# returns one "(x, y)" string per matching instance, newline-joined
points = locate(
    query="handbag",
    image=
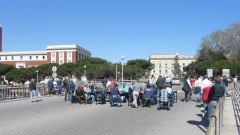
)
(186, 88)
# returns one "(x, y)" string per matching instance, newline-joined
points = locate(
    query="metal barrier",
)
(8, 93)
(216, 120)
(236, 101)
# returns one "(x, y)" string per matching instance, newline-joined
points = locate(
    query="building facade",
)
(164, 64)
(0, 38)
(59, 54)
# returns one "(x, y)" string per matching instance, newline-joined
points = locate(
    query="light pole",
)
(122, 68)
(37, 75)
(85, 71)
(116, 69)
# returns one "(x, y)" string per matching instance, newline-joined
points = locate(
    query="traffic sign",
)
(54, 68)
(54, 74)
(210, 72)
(226, 72)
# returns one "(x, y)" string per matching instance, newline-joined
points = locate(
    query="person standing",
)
(32, 89)
(65, 86)
(136, 89)
(104, 82)
(225, 84)
(215, 93)
(59, 86)
(71, 88)
(187, 88)
(50, 86)
(160, 82)
(152, 80)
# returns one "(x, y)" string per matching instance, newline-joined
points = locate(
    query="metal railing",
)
(236, 104)
(8, 93)
(216, 120)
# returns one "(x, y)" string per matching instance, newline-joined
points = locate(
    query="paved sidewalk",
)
(229, 121)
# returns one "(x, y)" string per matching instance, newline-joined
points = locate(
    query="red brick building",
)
(59, 54)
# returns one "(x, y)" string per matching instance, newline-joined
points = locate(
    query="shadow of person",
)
(202, 125)
(199, 106)
(38, 100)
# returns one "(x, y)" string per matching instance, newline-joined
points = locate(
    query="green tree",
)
(5, 68)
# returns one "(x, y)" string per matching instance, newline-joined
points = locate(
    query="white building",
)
(164, 63)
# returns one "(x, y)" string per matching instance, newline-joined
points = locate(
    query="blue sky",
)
(112, 28)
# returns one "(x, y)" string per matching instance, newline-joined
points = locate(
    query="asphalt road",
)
(53, 116)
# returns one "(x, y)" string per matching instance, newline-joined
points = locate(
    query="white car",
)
(176, 81)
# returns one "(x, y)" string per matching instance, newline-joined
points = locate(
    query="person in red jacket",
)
(206, 86)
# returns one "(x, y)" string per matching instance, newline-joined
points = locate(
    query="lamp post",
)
(122, 68)
(37, 75)
(116, 69)
(85, 71)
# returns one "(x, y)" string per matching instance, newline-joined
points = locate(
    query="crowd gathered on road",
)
(156, 91)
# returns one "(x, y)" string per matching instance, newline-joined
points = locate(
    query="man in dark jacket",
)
(115, 96)
(50, 86)
(71, 88)
(32, 89)
(215, 93)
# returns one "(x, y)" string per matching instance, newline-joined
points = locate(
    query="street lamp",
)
(122, 68)
(37, 75)
(116, 68)
(85, 71)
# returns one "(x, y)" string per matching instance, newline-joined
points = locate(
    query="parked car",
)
(176, 81)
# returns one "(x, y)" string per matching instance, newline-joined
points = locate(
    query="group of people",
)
(159, 93)
(208, 90)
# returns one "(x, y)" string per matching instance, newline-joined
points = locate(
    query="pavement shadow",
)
(39, 100)
(202, 125)
(199, 106)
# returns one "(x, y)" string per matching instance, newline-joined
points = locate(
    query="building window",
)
(36, 57)
(166, 71)
(166, 65)
(160, 65)
(69, 61)
(160, 71)
(61, 55)
(43, 57)
(30, 57)
(53, 55)
(0, 58)
(12, 57)
(21, 57)
(183, 64)
(154, 71)
(61, 62)
(53, 61)
(172, 65)
(6, 58)
(154, 65)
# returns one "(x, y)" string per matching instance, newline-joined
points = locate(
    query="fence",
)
(216, 120)
(236, 102)
(7, 93)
